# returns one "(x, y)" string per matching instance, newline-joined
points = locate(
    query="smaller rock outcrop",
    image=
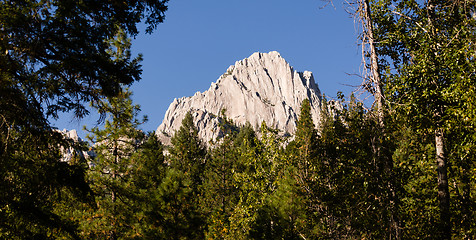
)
(69, 153)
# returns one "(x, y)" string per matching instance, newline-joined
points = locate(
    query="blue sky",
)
(200, 39)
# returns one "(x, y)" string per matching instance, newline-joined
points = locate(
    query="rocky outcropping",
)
(69, 153)
(262, 87)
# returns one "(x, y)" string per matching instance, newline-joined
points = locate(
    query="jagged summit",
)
(262, 87)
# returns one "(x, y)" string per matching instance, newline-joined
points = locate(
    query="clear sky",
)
(200, 39)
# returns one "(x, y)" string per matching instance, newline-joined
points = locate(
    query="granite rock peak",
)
(262, 87)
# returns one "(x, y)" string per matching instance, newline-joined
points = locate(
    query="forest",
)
(402, 168)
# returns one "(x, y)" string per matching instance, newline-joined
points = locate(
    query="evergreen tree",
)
(54, 58)
(220, 191)
(187, 160)
(285, 210)
(147, 177)
(34, 181)
(344, 181)
(179, 209)
(246, 137)
(112, 168)
(297, 177)
(187, 153)
(305, 142)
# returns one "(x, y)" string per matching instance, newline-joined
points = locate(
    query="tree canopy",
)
(56, 56)
(403, 168)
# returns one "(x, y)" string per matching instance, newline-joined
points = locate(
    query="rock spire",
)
(262, 87)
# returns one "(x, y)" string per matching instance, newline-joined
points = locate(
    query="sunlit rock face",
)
(262, 87)
(69, 153)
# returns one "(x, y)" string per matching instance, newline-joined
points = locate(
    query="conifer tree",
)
(246, 137)
(177, 208)
(305, 131)
(187, 160)
(187, 153)
(297, 178)
(112, 168)
(220, 191)
(54, 59)
(147, 177)
(344, 181)
(305, 142)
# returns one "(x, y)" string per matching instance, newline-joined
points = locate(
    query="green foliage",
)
(342, 182)
(55, 57)
(147, 176)
(187, 151)
(257, 179)
(175, 212)
(34, 180)
(112, 171)
(305, 143)
(430, 47)
(354, 177)
(284, 214)
(305, 140)
(220, 190)
(52, 49)
(247, 187)
(418, 207)
(187, 157)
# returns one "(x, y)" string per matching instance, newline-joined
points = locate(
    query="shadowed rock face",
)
(262, 87)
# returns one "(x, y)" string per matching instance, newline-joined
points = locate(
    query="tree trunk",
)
(379, 150)
(112, 234)
(377, 83)
(443, 192)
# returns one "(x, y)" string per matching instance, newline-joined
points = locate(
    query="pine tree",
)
(112, 167)
(187, 153)
(305, 142)
(177, 208)
(54, 59)
(148, 175)
(344, 181)
(285, 215)
(187, 160)
(220, 191)
(297, 178)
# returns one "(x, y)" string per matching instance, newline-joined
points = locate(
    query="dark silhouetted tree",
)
(54, 58)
